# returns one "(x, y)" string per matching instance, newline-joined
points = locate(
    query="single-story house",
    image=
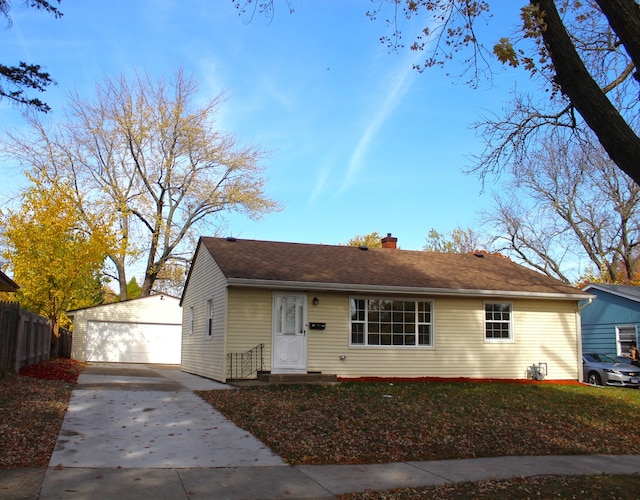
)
(375, 312)
(610, 323)
(7, 284)
(143, 330)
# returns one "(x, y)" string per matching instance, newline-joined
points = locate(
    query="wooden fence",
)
(25, 339)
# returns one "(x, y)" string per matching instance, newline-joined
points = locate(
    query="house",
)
(374, 312)
(143, 330)
(610, 323)
(7, 284)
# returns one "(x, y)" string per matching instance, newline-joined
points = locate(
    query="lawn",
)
(383, 422)
(355, 423)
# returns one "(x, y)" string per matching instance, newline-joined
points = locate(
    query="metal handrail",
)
(241, 365)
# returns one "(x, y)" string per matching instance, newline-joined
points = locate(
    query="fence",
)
(25, 338)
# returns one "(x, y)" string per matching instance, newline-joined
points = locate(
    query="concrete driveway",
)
(128, 415)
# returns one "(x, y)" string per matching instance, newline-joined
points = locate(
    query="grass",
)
(357, 423)
(382, 422)
(584, 487)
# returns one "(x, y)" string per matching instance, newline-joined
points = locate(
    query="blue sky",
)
(359, 142)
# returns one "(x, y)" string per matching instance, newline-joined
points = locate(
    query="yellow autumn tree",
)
(371, 240)
(53, 256)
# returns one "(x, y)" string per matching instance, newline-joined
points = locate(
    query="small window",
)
(209, 331)
(497, 321)
(624, 336)
(191, 320)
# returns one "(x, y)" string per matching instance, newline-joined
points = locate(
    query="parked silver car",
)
(601, 369)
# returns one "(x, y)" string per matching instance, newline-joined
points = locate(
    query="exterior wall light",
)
(315, 301)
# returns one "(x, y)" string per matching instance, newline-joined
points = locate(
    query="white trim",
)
(208, 326)
(512, 335)
(612, 291)
(413, 299)
(617, 327)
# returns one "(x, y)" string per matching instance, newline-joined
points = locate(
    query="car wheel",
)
(594, 379)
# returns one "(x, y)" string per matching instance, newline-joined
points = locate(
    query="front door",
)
(289, 351)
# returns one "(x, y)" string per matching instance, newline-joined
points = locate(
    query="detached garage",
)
(144, 330)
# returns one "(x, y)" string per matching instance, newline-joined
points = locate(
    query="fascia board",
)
(397, 290)
(610, 291)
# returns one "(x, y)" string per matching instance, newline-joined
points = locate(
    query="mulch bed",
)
(65, 370)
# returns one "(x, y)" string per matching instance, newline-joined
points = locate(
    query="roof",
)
(329, 267)
(152, 296)
(7, 284)
(627, 292)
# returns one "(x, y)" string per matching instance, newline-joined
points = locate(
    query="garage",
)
(133, 342)
(143, 330)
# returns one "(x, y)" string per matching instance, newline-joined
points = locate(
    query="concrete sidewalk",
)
(138, 431)
(312, 481)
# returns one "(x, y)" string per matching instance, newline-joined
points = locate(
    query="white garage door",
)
(133, 342)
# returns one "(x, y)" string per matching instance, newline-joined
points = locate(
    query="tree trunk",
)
(122, 278)
(149, 279)
(616, 136)
(624, 18)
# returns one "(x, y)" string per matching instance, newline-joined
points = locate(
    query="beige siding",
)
(204, 355)
(156, 309)
(249, 322)
(78, 341)
(544, 331)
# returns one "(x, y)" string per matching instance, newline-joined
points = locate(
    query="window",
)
(209, 318)
(395, 323)
(191, 319)
(497, 321)
(289, 315)
(624, 336)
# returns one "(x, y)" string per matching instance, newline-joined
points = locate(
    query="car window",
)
(603, 358)
(599, 358)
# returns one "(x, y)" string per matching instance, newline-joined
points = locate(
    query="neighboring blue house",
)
(610, 323)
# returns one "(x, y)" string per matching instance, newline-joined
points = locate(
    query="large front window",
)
(391, 322)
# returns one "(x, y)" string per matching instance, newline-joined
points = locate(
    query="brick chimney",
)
(389, 241)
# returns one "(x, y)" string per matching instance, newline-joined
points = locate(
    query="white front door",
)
(289, 347)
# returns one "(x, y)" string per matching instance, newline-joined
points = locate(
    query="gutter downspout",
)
(579, 331)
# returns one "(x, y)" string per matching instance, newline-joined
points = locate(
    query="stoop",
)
(298, 378)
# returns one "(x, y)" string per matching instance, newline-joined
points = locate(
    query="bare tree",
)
(148, 163)
(570, 203)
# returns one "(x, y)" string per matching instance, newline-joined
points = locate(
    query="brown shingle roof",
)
(245, 261)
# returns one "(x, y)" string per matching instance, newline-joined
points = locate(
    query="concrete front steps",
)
(264, 378)
(297, 378)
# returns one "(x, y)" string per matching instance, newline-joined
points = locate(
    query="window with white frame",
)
(624, 336)
(209, 330)
(391, 322)
(498, 321)
(191, 319)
